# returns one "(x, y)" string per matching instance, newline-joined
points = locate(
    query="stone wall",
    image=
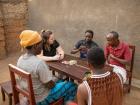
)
(14, 21)
(70, 18)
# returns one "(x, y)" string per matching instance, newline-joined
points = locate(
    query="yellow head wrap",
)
(29, 38)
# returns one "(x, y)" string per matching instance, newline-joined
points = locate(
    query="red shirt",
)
(122, 51)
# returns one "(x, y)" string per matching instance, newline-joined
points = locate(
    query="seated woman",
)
(51, 48)
(45, 89)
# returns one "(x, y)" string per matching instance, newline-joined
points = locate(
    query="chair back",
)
(132, 47)
(29, 93)
(127, 86)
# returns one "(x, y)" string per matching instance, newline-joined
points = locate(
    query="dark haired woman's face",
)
(88, 36)
(51, 39)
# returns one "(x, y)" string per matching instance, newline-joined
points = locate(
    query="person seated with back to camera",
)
(46, 90)
(103, 86)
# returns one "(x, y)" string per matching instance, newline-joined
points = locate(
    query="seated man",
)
(117, 52)
(102, 87)
(45, 89)
(82, 46)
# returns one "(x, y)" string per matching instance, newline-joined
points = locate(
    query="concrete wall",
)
(13, 16)
(70, 18)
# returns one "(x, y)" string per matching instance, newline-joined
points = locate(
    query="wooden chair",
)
(29, 94)
(127, 86)
(58, 102)
(6, 89)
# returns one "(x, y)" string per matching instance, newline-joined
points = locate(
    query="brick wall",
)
(2, 37)
(14, 21)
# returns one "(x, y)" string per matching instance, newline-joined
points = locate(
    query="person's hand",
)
(50, 84)
(60, 57)
(82, 48)
(111, 56)
(57, 57)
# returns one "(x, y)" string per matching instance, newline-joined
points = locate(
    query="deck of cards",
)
(71, 62)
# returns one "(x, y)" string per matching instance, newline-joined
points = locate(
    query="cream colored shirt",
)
(39, 71)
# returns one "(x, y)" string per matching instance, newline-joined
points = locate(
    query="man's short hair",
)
(29, 47)
(96, 57)
(90, 31)
(115, 34)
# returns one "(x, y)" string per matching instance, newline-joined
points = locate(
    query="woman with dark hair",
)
(51, 48)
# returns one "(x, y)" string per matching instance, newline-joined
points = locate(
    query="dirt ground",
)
(129, 99)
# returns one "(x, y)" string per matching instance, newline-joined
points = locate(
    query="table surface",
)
(75, 72)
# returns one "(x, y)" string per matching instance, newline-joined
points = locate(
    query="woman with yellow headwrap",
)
(43, 85)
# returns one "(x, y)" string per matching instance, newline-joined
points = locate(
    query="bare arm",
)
(127, 57)
(106, 52)
(107, 59)
(75, 50)
(123, 61)
(47, 58)
(60, 52)
(77, 47)
(59, 55)
(82, 95)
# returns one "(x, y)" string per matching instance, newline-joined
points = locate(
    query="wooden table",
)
(74, 72)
